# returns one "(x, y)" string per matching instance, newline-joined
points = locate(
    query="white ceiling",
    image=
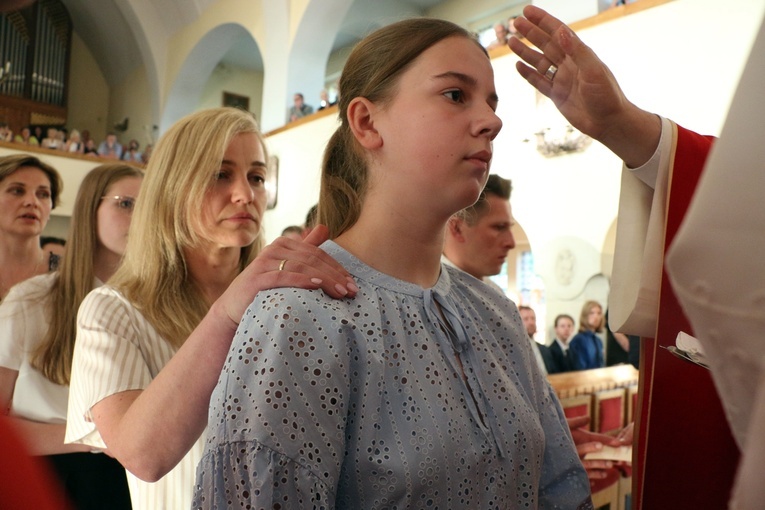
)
(107, 28)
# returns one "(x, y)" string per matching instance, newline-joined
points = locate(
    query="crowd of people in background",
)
(581, 349)
(77, 142)
(38, 362)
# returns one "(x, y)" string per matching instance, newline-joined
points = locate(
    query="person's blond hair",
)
(584, 323)
(53, 357)
(154, 276)
(372, 71)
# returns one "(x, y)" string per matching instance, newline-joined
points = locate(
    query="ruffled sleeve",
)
(278, 415)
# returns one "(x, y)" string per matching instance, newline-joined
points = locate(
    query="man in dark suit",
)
(542, 353)
(564, 326)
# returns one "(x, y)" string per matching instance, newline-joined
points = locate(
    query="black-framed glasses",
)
(125, 203)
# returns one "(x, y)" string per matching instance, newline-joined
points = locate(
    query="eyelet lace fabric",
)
(362, 403)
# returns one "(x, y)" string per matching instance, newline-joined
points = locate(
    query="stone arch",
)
(296, 62)
(190, 82)
(312, 45)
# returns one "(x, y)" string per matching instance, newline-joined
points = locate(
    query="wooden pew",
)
(607, 396)
(587, 382)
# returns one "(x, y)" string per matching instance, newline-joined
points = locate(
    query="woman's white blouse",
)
(24, 323)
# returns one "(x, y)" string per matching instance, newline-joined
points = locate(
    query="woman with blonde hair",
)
(38, 336)
(586, 348)
(422, 391)
(29, 191)
(151, 343)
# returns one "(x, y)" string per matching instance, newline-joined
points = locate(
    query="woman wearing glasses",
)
(38, 334)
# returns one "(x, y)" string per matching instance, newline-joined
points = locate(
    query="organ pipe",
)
(42, 31)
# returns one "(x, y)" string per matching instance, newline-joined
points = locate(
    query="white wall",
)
(300, 151)
(665, 58)
(131, 99)
(477, 14)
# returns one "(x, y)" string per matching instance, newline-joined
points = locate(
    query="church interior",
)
(134, 67)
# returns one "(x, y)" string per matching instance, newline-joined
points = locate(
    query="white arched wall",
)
(234, 16)
(190, 81)
(298, 63)
(142, 19)
(311, 46)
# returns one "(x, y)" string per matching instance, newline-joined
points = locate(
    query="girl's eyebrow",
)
(254, 163)
(466, 79)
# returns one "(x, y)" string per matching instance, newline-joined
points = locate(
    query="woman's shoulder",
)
(458, 277)
(105, 293)
(105, 300)
(24, 315)
(107, 312)
(31, 289)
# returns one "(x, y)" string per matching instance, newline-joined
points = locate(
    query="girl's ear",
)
(361, 121)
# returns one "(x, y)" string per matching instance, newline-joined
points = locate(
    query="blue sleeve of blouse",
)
(277, 416)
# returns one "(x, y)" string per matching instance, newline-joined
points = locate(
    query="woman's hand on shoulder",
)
(288, 263)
